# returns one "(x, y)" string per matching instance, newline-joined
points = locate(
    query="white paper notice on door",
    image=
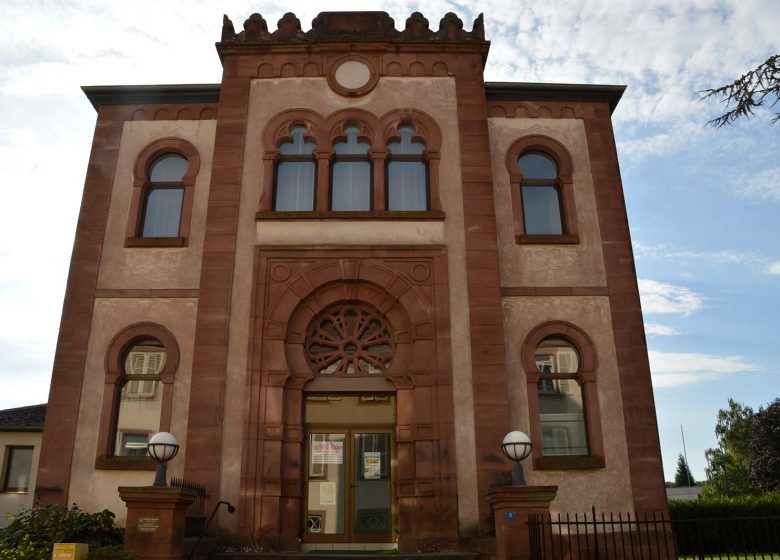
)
(327, 452)
(327, 493)
(372, 465)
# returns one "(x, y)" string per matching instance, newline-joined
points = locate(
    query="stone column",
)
(512, 505)
(155, 521)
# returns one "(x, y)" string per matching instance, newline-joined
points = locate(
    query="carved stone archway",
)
(408, 289)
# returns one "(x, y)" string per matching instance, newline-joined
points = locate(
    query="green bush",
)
(722, 506)
(32, 534)
(719, 524)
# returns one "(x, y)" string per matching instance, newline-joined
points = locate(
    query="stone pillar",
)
(155, 521)
(512, 505)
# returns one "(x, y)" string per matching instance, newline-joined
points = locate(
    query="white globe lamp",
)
(516, 447)
(162, 447)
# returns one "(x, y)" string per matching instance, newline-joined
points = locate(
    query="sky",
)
(702, 202)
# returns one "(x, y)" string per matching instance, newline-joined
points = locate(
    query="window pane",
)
(352, 146)
(562, 417)
(407, 185)
(542, 210)
(294, 186)
(17, 475)
(351, 185)
(536, 165)
(140, 402)
(163, 212)
(561, 410)
(406, 146)
(298, 146)
(168, 169)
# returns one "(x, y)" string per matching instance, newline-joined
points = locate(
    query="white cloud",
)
(664, 298)
(774, 268)
(671, 369)
(660, 330)
(763, 185)
(725, 256)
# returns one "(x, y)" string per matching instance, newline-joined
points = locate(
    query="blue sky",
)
(702, 203)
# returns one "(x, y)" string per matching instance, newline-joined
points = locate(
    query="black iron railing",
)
(651, 536)
(196, 512)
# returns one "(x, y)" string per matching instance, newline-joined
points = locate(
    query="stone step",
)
(346, 555)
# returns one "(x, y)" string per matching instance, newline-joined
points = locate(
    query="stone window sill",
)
(125, 463)
(156, 242)
(569, 239)
(569, 462)
(351, 215)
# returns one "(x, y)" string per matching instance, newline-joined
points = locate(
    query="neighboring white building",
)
(21, 430)
(683, 493)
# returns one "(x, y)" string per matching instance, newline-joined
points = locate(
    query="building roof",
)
(209, 93)
(23, 419)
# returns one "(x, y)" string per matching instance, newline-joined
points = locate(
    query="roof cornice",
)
(146, 94)
(525, 91)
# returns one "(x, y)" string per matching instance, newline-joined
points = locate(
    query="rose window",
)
(349, 340)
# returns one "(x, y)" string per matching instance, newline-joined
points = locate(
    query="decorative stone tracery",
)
(349, 340)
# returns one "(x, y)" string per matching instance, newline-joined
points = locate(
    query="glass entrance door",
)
(349, 467)
(349, 486)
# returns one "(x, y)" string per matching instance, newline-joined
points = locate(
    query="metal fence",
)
(196, 511)
(623, 536)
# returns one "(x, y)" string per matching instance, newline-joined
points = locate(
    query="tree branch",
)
(753, 89)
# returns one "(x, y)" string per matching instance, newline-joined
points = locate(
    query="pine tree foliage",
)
(753, 89)
(764, 469)
(683, 476)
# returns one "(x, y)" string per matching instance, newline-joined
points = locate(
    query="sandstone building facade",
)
(340, 277)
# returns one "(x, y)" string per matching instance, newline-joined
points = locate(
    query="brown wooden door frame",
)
(348, 492)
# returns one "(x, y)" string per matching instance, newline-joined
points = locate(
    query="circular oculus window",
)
(352, 76)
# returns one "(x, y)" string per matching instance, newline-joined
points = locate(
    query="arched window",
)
(351, 173)
(407, 173)
(141, 363)
(561, 409)
(563, 404)
(540, 174)
(140, 399)
(164, 197)
(163, 194)
(541, 195)
(295, 173)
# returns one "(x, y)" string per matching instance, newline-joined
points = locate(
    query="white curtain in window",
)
(407, 185)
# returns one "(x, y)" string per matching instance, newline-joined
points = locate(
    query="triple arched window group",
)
(351, 173)
(353, 163)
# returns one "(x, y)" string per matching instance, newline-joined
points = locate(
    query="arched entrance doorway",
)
(365, 331)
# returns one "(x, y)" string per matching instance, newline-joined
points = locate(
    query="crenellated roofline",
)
(362, 27)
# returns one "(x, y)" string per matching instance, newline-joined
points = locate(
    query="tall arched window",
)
(164, 197)
(351, 173)
(563, 404)
(295, 173)
(141, 363)
(407, 173)
(540, 194)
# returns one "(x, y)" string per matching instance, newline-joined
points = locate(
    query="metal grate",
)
(651, 536)
(196, 511)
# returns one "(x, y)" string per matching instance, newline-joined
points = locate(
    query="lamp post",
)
(162, 447)
(516, 446)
